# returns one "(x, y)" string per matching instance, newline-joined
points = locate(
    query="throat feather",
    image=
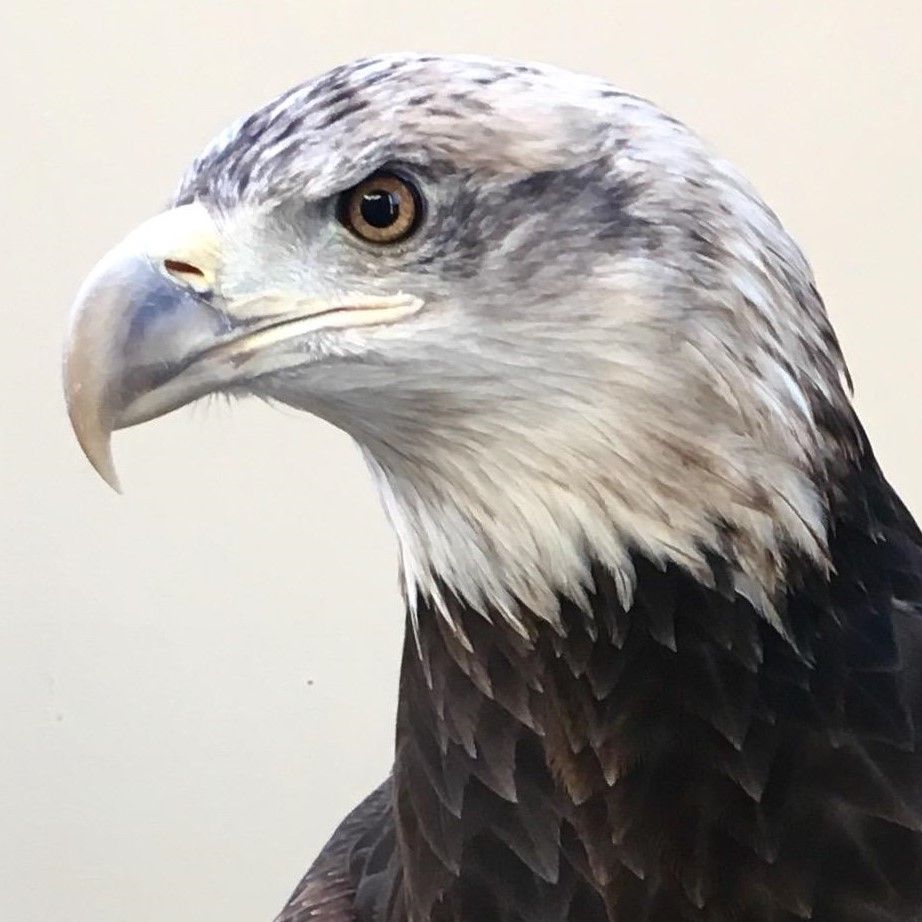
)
(471, 535)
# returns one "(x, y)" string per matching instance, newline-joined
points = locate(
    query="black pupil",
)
(380, 208)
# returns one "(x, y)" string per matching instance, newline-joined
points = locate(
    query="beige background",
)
(197, 679)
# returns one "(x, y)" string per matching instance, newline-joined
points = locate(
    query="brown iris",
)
(385, 208)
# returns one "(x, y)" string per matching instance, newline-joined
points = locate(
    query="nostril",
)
(178, 267)
(189, 274)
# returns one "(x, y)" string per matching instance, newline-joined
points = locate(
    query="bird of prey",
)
(663, 657)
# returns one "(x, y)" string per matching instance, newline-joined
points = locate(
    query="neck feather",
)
(673, 751)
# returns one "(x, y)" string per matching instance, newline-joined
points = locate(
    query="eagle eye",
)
(385, 208)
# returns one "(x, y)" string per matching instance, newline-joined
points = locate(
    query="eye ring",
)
(384, 208)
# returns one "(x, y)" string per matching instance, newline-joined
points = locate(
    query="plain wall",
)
(197, 679)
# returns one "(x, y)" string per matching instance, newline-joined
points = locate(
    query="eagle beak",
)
(150, 330)
(146, 307)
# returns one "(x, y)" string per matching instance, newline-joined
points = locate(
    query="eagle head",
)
(559, 327)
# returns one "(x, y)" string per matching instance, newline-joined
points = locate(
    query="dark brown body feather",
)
(679, 761)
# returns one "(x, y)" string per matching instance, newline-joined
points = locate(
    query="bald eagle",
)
(663, 656)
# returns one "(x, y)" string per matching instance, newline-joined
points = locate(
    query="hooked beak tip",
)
(99, 455)
(98, 451)
(94, 437)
